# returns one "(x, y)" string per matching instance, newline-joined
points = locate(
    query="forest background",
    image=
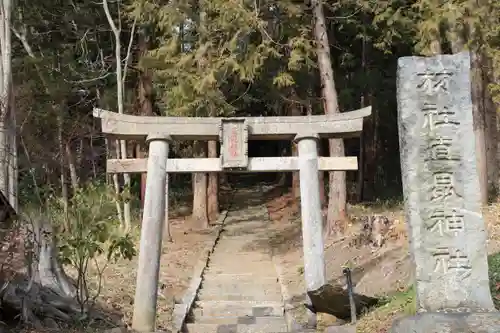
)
(60, 59)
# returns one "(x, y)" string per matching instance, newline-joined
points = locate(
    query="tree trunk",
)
(491, 128)
(93, 153)
(200, 211)
(62, 166)
(213, 185)
(116, 184)
(13, 162)
(371, 145)
(6, 107)
(144, 177)
(478, 114)
(167, 234)
(80, 168)
(321, 174)
(435, 45)
(120, 80)
(361, 160)
(46, 290)
(127, 217)
(50, 272)
(478, 107)
(282, 176)
(295, 174)
(337, 198)
(72, 166)
(145, 98)
(294, 111)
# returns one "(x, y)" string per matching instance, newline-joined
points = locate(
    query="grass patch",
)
(403, 303)
(380, 319)
(494, 275)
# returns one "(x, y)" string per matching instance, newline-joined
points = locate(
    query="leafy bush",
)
(89, 236)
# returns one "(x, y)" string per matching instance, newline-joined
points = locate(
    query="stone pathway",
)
(240, 292)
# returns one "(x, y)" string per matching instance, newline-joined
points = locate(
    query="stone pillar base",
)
(433, 322)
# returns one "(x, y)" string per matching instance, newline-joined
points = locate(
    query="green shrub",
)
(89, 231)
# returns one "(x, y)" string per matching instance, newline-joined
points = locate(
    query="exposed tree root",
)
(34, 302)
(44, 291)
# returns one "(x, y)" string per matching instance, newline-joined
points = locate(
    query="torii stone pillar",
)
(312, 220)
(153, 219)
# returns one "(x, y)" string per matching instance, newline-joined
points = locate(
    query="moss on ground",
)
(494, 275)
(403, 303)
(379, 320)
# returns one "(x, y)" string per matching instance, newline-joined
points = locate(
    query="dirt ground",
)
(375, 272)
(177, 262)
(118, 283)
(385, 271)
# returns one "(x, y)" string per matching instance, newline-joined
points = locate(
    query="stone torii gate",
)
(233, 133)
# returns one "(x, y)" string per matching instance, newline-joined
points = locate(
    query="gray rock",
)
(448, 323)
(440, 183)
(334, 300)
(341, 329)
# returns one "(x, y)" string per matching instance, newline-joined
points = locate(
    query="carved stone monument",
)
(441, 194)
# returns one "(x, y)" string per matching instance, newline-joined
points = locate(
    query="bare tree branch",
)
(122, 150)
(89, 80)
(112, 24)
(127, 57)
(24, 41)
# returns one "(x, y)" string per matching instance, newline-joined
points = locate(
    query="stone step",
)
(236, 309)
(233, 294)
(228, 254)
(208, 276)
(227, 268)
(254, 221)
(238, 231)
(235, 239)
(228, 320)
(242, 233)
(223, 262)
(240, 250)
(244, 287)
(261, 325)
(247, 225)
(242, 238)
(238, 246)
(240, 279)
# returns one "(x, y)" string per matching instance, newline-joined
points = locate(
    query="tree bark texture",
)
(200, 183)
(337, 198)
(213, 185)
(144, 99)
(72, 166)
(294, 110)
(120, 73)
(478, 113)
(491, 119)
(8, 149)
(479, 96)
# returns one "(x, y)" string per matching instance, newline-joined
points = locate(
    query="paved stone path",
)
(240, 292)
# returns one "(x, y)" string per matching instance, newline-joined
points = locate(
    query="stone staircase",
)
(240, 292)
